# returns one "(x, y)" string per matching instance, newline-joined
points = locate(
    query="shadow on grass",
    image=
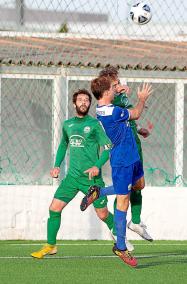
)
(181, 259)
(164, 254)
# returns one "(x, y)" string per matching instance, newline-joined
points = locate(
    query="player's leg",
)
(130, 246)
(54, 220)
(122, 181)
(136, 200)
(136, 206)
(136, 195)
(120, 220)
(100, 204)
(120, 248)
(95, 192)
(64, 194)
(53, 225)
(106, 216)
(139, 184)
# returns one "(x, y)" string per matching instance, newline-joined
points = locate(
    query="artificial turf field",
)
(93, 262)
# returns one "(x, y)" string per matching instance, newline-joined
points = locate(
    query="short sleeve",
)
(120, 114)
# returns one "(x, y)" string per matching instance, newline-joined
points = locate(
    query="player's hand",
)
(92, 172)
(54, 172)
(144, 132)
(123, 88)
(144, 92)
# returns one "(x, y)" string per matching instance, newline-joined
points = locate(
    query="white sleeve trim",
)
(129, 115)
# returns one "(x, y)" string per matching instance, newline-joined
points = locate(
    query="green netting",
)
(33, 107)
(159, 148)
(27, 128)
(26, 131)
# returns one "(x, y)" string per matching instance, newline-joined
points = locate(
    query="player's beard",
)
(82, 110)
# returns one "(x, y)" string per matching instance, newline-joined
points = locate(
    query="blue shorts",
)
(124, 177)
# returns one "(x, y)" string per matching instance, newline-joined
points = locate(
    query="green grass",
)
(93, 262)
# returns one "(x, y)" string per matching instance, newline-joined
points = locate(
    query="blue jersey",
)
(115, 122)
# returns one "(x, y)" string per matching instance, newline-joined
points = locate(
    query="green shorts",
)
(70, 186)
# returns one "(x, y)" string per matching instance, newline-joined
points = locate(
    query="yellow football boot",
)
(47, 249)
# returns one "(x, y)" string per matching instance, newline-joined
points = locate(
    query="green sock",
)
(109, 221)
(53, 225)
(136, 205)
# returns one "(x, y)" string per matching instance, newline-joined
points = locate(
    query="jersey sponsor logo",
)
(100, 112)
(105, 110)
(86, 129)
(76, 141)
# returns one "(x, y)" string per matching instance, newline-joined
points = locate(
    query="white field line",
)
(95, 256)
(88, 244)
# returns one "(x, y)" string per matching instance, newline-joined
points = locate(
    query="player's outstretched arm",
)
(143, 94)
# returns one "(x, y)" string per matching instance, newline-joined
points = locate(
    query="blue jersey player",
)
(127, 170)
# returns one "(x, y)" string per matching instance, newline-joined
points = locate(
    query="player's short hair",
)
(109, 71)
(99, 85)
(81, 91)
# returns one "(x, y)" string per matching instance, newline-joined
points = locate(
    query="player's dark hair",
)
(81, 91)
(110, 71)
(100, 85)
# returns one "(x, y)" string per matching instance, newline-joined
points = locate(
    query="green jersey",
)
(84, 136)
(121, 100)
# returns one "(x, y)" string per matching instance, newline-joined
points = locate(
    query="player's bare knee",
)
(57, 205)
(142, 184)
(123, 202)
(102, 213)
(139, 185)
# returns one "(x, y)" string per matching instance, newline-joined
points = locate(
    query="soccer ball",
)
(140, 13)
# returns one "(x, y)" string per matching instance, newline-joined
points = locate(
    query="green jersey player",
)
(121, 99)
(84, 135)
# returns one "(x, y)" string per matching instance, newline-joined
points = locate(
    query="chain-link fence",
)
(49, 39)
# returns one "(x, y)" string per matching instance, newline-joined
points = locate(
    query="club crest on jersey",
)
(86, 129)
(107, 146)
(76, 141)
(122, 114)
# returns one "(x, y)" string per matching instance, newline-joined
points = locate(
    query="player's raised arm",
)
(143, 94)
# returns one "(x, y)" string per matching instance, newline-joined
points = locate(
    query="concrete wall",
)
(24, 212)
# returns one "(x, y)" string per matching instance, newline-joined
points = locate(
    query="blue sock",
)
(120, 225)
(104, 191)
